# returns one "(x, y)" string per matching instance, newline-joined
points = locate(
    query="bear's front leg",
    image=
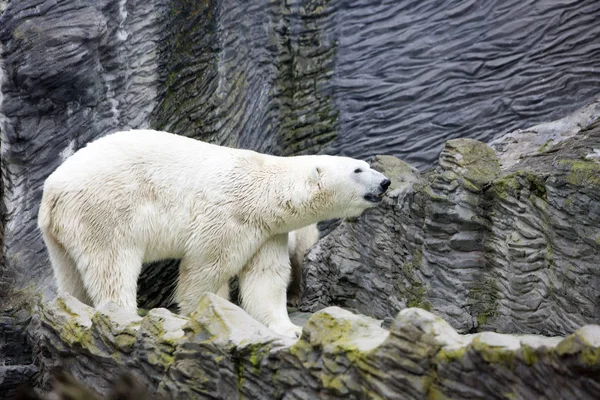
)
(263, 286)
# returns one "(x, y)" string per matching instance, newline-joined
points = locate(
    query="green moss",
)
(574, 345)
(239, 373)
(545, 146)
(580, 172)
(493, 354)
(161, 358)
(308, 117)
(333, 383)
(330, 329)
(483, 296)
(447, 356)
(549, 256)
(125, 340)
(591, 356)
(505, 186)
(516, 183)
(254, 353)
(482, 319)
(184, 104)
(415, 292)
(529, 354)
(569, 201)
(142, 312)
(477, 161)
(435, 394)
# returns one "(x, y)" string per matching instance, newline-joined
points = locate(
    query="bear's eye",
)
(357, 171)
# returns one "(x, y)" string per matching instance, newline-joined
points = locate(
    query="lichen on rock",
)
(221, 351)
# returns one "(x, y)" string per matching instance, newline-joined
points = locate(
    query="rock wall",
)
(511, 250)
(221, 352)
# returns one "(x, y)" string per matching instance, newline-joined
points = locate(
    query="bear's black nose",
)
(385, 184)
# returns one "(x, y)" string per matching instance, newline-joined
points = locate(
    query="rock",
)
(513, 250)
(221, 352)
(542, 138)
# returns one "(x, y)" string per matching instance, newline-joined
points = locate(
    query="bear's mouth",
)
(374, 198)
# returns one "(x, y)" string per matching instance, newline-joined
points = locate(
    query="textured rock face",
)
(16, 356)
(513, 250)
(221, 352)
(71, 72)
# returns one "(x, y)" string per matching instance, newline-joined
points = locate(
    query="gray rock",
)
(513, 250)
(542, 138)
(221, 352)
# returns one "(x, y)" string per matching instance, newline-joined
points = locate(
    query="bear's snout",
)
(385, 184)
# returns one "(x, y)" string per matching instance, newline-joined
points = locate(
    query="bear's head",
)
(346, 186)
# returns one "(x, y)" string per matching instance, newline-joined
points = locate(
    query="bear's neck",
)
(295, 204)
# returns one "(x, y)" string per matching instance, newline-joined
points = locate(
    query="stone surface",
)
(511, 250)
(221, 352)
(540, 139)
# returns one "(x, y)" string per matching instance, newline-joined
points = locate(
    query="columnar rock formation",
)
(514, 249)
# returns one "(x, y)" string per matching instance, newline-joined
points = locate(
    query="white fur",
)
(299, 241)
(140, 196)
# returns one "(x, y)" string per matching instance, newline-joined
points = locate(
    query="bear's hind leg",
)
(68, 278)
(112, 277)
(263, 284)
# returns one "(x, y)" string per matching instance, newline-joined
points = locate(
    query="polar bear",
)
(142, 195)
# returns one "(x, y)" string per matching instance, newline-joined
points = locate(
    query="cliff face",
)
(511, 249)
(280, 77)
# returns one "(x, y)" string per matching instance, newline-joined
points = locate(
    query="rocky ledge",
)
(505, 240)
(221, 352)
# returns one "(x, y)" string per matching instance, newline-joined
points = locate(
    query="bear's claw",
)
(289, 330)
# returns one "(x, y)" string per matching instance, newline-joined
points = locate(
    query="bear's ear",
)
(316, 173)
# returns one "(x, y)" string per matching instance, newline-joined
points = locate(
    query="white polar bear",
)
(139, 196)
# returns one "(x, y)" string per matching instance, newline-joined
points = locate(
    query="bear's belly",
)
(165, 234)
